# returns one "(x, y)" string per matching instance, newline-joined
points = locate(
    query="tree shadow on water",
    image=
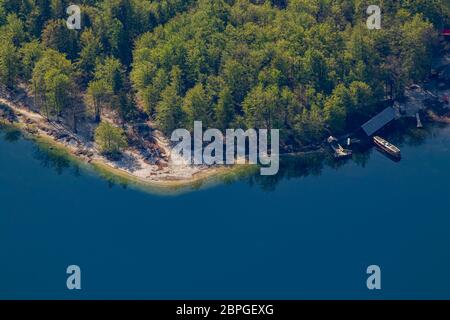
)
(294, 167)
(291, 167)
(55, 159)
(12, 136)
(9, 133)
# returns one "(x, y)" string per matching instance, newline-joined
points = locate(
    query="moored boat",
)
(387, 147)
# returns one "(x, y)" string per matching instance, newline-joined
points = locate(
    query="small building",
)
(379, 121)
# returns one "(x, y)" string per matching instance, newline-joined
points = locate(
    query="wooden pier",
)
(339, 151)
(419, 122)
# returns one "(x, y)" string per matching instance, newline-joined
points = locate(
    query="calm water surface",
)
(310, 232)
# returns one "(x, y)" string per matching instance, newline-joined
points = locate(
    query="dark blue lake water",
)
(310, 232)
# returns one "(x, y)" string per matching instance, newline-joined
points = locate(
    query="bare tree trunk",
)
(97, 111)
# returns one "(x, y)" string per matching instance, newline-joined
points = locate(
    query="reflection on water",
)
(9, 133)
(60, 161)
(403, 133)
(230, 238)
(12, 135)
(291, 167)
(56, 159)
(50, 158)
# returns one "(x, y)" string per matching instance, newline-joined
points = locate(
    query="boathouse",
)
(379, 121)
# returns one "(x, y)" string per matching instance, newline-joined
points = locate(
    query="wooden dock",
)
(419, 122)
(339, 151)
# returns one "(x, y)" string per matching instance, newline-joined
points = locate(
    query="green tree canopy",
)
(110, 139)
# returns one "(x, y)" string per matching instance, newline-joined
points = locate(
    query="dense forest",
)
(305, 66)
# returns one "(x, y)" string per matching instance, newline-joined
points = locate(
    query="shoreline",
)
(35, 127)
(202, 179)
(148, 177)
(438, 119)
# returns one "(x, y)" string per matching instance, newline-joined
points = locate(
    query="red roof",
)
(445, 32)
